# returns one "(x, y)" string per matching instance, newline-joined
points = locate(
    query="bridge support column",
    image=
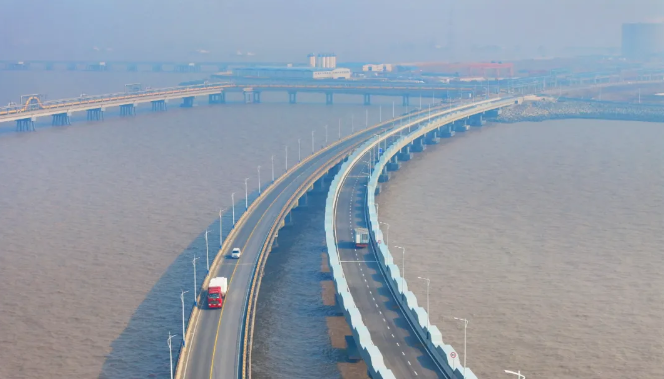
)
(187, 102)
(157, 68)
(394, 164)
(460, 126)
(95, 114)
(25, 125)
(288, 220)
(292, 97)
(405, 100)
(447, 131)
(257, 97)
(159, 105)
(493, 113)
(477, 120)
(384, 176)
(61, 119)
(329, 98)
(303, 201)
(132, 67)
(127, 110)
(248, 96)
(217, 98)
(432, 138)
(367, 99)
(418, 145)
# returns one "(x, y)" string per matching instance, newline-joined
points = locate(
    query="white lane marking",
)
(388, 327)
(415, 373)
(393, 336)
(402, 353)
(376, 305)
(380, 312)
(397, 343)
(409, 363)
(384, 319)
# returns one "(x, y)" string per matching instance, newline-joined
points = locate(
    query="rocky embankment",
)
(547, 109)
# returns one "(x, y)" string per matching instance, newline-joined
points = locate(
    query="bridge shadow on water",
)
(141, 350)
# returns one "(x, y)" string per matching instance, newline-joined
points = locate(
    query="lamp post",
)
(299, 152)
(465, 327)
(233, 201)
(352, 124)
(429, 315)
(403, 266)
(325, 135)
(273, 169)
(518, 374)
(339, 129)
(380, 113)
(246, 194)
(207, 252)
(313, 148)
(259, 180)
(387, 235)
(193, 262)
(221, 231)
(170, 350)
(182, 300)
(286, 158)
(366, 118)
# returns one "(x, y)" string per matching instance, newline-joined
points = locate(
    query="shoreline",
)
(549, 109)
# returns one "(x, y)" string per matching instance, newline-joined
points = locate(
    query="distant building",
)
(642, 40)
(325, 60)
(292, 73)
(377, 67)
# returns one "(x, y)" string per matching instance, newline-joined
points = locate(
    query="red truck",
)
(217, 291)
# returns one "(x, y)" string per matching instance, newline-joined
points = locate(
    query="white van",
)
(236, 253)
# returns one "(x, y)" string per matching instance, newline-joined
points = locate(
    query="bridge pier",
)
(72, 67)
(159, 105)
(405, 100)
(292, 97)
(61, 119)
(384, 176)
(477, 120)
(257, 97)
(460, 126)
(217, 98)
(418, 145)
(132, 67)
(95, 114)
(127, 110)
(432, 138)
(157, 68)
(446, 131)
(303, 201)
(25, 125)
(248, 96)
(393, 164)
(493, 113)
(288, 220)
(49, 66)
(329, 98)
(367, 99)
(188, 102)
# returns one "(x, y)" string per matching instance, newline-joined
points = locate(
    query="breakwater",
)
(550, 109)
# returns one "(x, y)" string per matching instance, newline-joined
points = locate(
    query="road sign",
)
(453, 355)
(380, 150)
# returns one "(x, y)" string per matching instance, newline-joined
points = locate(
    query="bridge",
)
(393, 333)
(33, 107)
(127, 65)
(218, 342)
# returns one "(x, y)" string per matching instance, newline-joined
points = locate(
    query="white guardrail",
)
(418, 316)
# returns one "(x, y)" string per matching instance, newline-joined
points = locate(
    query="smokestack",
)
(312, 60)
(334, 61)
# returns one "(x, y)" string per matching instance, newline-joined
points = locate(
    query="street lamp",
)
(299, 154)
(387, 235)
(340, 129)
(465, 327)
(246, 194)
(182, 300)
(429, 315)
(325, 135)
(366, 118)
(352, 124)
(393, 109)
(286, 158)
(259, 180)
(207, 252)
(272, 168)
(518, 374)
(403, 266)
(313, 148)
(170, 350)
(380, 113)
(221, 232)
(233, 201)
(193, 262)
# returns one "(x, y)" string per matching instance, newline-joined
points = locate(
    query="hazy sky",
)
(283, 30)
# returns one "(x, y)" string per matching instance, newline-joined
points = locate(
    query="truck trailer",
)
(217, 292)
(361, 237)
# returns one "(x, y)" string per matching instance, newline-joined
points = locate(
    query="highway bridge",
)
(33, 107)
(218, 342)
(406, 345)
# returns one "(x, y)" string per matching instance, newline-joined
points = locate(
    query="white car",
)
(236, 253)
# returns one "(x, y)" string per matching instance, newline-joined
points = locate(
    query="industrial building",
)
(292, 73)
(642, 40)
(325, 60)
(384, 67)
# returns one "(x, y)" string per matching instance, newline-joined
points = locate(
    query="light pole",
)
(193, 262)
(246, 194)
(259, 180)
(233, 201)
(221, 231)
(465, 327)
(313, 148)
(380, 113)
(387, 235)
(299, 152)
(286, 158)
(366, 118)
(518, 374)
(403, 266)
(170, 350)
(325, 135)
(182, 300)
(393, 109)
(273, 169)
(207, 252)
(339, 129)
(352, 124)
(429, 315)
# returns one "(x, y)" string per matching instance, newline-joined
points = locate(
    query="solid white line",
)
(409, 363)
(393, 336)
(402, 353)
(397, 343)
